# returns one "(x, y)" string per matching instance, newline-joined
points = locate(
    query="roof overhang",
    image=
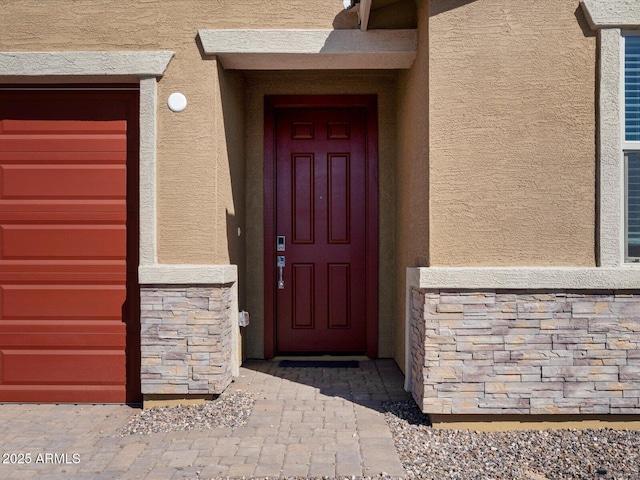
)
(311, 49)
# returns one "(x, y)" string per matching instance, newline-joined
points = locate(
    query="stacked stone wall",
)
(506, 352)
(185, 339)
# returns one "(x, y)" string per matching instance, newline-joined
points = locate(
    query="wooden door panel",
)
(303, 210)
(339, 203)
(339, 295)
(321, 208)
(344, 252)
(302, 287)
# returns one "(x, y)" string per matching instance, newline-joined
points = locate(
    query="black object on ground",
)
(319, 364)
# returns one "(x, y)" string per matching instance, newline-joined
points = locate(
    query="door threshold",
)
(318, 358)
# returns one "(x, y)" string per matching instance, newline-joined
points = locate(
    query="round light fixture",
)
(177, 102)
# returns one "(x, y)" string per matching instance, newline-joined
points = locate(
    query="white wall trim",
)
(175, 274)
(148, 141)
(120, 63)
(612, 13)
(611, 218)
(525, 278)
(609, 17)
(311, 49)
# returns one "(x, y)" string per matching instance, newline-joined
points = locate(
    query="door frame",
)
(272, 103)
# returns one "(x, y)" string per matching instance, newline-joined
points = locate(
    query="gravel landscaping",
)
(535, 455)
(229, 410)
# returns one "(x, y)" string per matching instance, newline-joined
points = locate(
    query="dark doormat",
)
(319, 364)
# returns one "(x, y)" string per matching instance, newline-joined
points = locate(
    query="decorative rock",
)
(534, 455)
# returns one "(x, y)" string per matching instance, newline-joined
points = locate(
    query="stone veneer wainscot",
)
(186, 337)
(515, 352)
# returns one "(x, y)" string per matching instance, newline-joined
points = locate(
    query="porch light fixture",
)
(177, 102)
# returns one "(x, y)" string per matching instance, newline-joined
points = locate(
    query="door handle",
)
(280, 265)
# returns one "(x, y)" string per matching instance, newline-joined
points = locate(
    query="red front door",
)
(322, 230)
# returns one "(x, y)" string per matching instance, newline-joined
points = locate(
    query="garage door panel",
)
(90, 270)
(75, 340)
(87, 339)
(45, 143)
(87, 217)
(94, 212)
(63, 181)
(75, 127)
(42, 367)
(58, 302)
(102, 327)
(65, 272)
(63, 393)
(61, 158)
(46, 242)
(67, 253)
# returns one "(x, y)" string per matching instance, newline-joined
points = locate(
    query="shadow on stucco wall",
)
(232, 96)
(346, 19)
(584, 23)
(440, 6)
(587, 31)
(401, 14)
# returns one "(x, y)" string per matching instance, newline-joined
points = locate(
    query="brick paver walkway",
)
(305, 422)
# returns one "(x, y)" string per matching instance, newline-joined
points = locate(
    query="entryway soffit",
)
(311, 49)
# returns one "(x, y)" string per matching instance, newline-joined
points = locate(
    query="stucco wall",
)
(199, 151)
(512, 133)
(412, 171)
(318, 83)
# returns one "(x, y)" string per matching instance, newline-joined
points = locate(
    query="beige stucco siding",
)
(200, 150)
(512, 134)
(412, 172)
(318, 83)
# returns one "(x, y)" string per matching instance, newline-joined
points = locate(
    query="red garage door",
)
(63, 246)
